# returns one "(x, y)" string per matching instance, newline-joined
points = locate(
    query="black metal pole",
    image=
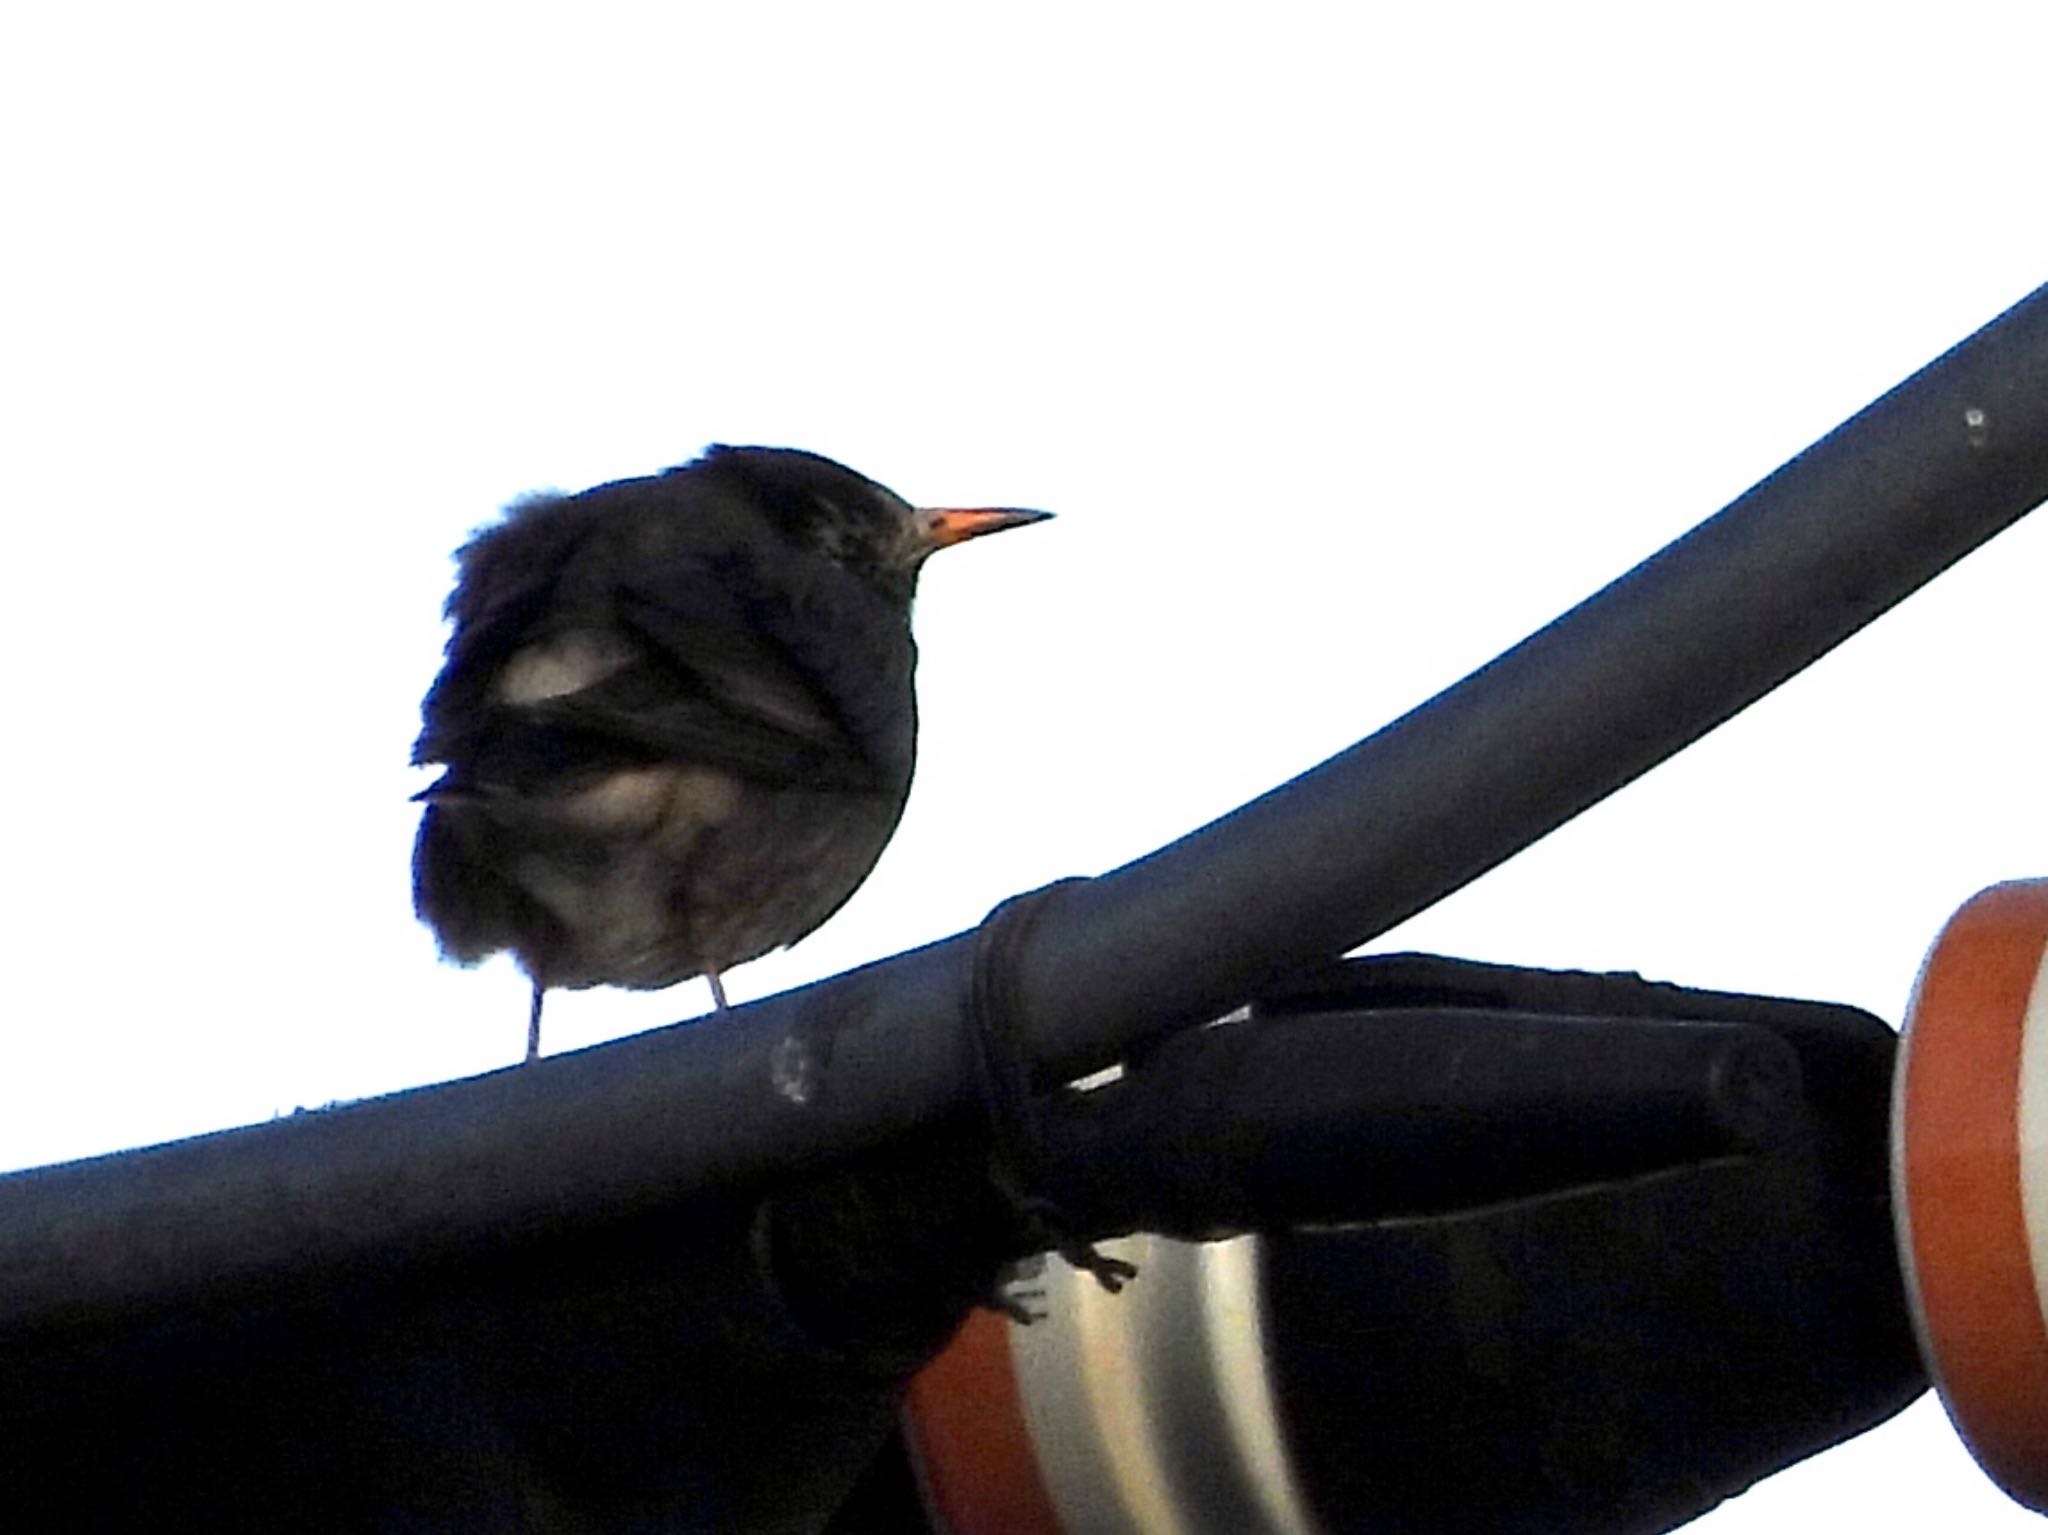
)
(1316, 867)
(1691, 636)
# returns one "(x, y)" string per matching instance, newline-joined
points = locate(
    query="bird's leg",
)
(718, 1002)
(533, 1024)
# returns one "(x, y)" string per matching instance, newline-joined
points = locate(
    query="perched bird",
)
(676, 716)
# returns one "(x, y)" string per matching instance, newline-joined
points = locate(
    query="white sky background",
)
(1350, 343)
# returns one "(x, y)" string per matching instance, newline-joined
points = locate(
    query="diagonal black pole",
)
(1690, 637)
(1339, 855)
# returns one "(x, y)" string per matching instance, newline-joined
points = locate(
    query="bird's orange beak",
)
(944, 525)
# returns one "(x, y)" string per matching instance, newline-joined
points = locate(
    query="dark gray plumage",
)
(676, 718)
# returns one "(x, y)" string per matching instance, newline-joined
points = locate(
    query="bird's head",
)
(824, 506)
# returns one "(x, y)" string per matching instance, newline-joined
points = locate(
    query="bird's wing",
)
(800, 673)
(700, 658)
